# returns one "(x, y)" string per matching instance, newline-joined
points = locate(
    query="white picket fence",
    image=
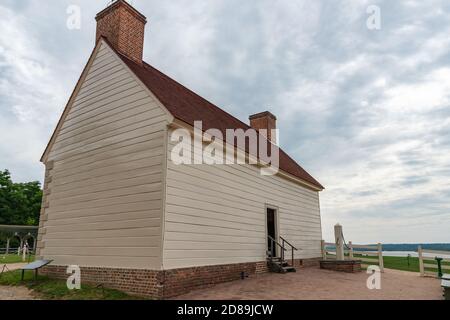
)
(427, 260)
(327, 252)
(14, 251)
(10, 251)
(369, 255)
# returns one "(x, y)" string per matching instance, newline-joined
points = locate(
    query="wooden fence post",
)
(19, 250)
(380, 257)
(422, 268)
(24, 252)
(324, 252)
(7, 246)
(350, 253)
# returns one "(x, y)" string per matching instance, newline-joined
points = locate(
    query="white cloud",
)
(29, 92)
(403, 123)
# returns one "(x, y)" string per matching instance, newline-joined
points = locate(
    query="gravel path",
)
(316, 284)
(13, 266)
(15, 293)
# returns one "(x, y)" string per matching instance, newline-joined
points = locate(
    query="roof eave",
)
(179, 123)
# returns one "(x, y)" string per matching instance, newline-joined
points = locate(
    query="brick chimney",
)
(124, 27)
(265, 120)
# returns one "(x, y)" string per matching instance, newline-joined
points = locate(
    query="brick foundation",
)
(160, 284)
(168, 283)
(261, 267)
(146, 283)
(349, 266)
(306, 263)
(181, 281)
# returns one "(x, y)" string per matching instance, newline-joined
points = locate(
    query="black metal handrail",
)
(292, 249)
(274, 242)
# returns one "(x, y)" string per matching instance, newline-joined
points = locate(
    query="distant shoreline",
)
(399, 247)
(411, 253)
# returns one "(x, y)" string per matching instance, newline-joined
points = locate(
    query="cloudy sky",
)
(366, 112)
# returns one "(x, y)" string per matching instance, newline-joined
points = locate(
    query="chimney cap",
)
(262, 115)
(117, 3)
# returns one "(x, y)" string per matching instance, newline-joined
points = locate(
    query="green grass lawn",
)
(49, 289)
(401, 263)
(14, 258)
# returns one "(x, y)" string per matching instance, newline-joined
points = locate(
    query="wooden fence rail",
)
(370, 255)
(11, 250)
(429, 262)
(328, 253)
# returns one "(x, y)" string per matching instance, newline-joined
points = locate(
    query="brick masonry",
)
(145, 283)
(306, 263)
(261, 267)
(181, 281)
(264, 120)
(124, 28)
(167, 283)
(349, 266)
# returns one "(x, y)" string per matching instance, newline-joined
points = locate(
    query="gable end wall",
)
(104, 174)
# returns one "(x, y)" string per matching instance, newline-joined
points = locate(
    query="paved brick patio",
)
(306, 284)
(313, 283)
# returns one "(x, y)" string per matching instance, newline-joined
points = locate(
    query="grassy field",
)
(49, 289)
(401, 263)
(14, 258)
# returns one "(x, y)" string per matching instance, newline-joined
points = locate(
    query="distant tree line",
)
(20, 203)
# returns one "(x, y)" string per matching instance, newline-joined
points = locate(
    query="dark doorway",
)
(271, 230)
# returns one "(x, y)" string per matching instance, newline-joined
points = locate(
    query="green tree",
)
(20, 203)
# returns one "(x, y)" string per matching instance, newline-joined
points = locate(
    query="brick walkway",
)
(313, 283)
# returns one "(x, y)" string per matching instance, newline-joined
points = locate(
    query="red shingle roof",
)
(188, 107)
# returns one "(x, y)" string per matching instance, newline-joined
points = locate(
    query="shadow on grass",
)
(51, 289)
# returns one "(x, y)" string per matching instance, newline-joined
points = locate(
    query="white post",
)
(24, 252)
(19, 250)
(7, 246)
(339, 242)
(380, 257)
(350, 254)
(421, 267)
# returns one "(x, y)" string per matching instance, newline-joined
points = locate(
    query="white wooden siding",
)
(216, 214)
(106, 189)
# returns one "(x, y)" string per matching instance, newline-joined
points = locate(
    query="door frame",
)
(277, 225)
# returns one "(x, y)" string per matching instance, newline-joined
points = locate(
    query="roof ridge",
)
(146, 64)
(190, 91)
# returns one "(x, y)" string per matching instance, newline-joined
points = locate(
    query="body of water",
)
(412, 253)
